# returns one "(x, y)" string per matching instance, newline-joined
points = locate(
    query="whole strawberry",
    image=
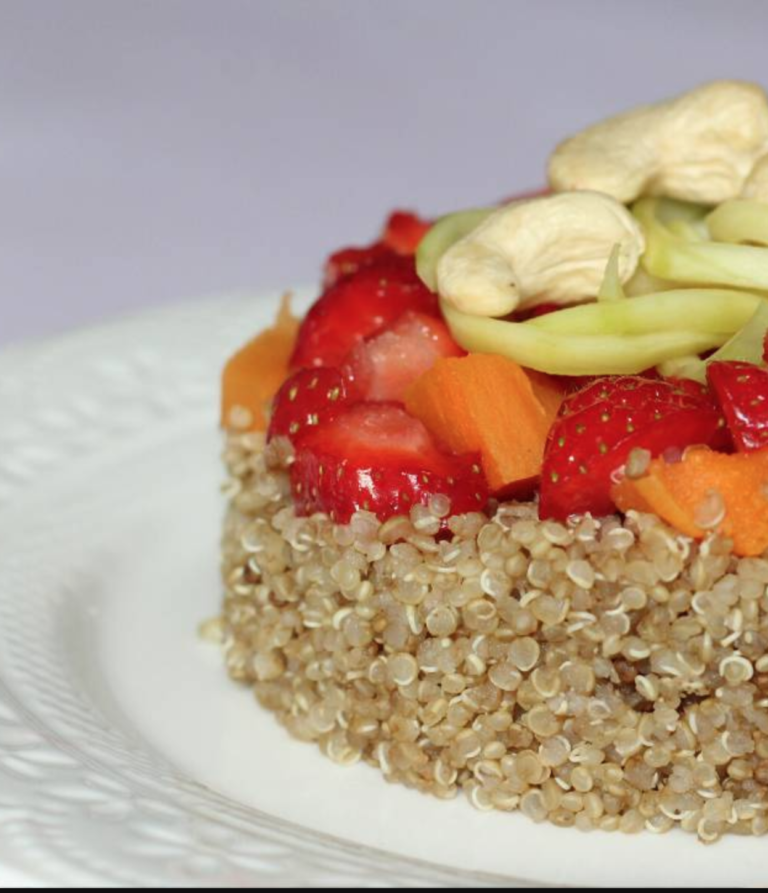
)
(599, 427)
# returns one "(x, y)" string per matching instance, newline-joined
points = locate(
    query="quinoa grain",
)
(596, 674)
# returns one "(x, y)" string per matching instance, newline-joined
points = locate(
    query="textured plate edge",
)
(27, 354)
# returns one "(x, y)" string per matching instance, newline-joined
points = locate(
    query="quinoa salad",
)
(498, 504)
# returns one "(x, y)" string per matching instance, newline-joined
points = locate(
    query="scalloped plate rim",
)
(27, 352)
(35, 360)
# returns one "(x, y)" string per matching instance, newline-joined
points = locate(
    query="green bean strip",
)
(714, 263)
(692, 309)
(746, 346)
(568, 354)
(740, 220)
(445, 233)
(611, 289)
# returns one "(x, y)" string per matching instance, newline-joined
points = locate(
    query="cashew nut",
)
(548, 249)
(756, 186)
(700, 147)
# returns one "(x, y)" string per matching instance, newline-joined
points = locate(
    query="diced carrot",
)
(549, 390)
(488, 404)
(254, 374)
(706, 492)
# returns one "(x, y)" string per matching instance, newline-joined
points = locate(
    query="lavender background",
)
(161, 150)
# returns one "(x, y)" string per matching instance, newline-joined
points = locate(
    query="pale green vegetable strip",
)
(684, 367)
(746, 346)
(688, 231)
(713, 263)
(672, 210)
(446, 232)
(611, 288)
(682, 219)
(560, 354)
(707, 311)
(642, 283)
(740, 220)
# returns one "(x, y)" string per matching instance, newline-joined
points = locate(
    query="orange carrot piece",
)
(487, 404)
(549, 391)
(254, 374)
(706, 492)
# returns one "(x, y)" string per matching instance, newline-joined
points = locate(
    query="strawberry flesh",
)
(742, 392)
(358, 306)
(403, 232)
(375, 457)
(384, 366)
(349, 261)
(401, 235)
(600, 426)
(310, 397)
(630, 391)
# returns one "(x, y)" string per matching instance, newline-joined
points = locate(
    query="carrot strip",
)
(704, 493)
(488, 404)
(255, 373)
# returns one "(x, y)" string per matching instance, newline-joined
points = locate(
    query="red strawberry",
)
(376, 457)
(309, 398)
(403, 232)
(358, 306)
(401, 236)
(573, 384)
(599, 427)
(693, 389)
(385, 365)
(349, 260)
(742, 391)
(629, 390)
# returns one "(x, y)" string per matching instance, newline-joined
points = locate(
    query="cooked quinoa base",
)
(601, 674)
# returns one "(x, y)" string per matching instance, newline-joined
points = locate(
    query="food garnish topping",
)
(600, 346)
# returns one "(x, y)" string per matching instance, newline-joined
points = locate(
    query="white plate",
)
(126, 757)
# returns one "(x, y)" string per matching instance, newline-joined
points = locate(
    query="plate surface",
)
(126, 757)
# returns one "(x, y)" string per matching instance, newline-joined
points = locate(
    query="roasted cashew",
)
(700, 147)
(756, 187)
(548, 249)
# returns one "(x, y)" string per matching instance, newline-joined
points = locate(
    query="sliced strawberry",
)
(359, 306)
(309, 398)
(348, 261)
(630, 391)
(376, 457)
(598, 428)
(403, 232)
(742, 391)
(573, 384)
(400, 237)
(385, 365)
